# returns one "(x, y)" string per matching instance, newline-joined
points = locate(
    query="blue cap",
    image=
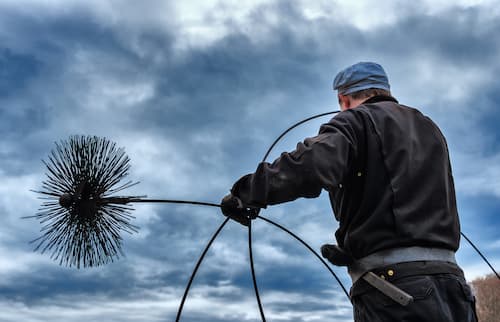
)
(361, 76)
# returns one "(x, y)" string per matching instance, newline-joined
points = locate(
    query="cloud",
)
(195, 94)
(480, 175)
(225, 303)
(148, 306)
(495, 245)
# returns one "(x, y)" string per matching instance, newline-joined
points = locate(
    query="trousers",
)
(441, 297)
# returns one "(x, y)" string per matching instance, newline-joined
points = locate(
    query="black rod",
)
(480, 254)
(193, 274)
(291, 128)
(308, 247)
(176, 201)
(254, 279)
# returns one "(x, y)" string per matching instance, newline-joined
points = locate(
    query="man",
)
(387, 171)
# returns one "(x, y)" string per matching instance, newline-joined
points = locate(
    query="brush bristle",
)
(80, 228)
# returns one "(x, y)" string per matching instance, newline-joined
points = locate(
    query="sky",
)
(195, 92)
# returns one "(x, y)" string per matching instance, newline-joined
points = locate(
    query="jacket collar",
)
(380, 98)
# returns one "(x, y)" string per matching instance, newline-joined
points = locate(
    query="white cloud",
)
(165, 168)
(437, 7)
(147, 269)
(226, 303)
(476, 174)
(494, 245)
(475, 270)
(200, 24)
(229, 255)
(269, 254)
(148, 306)
(437, 85)
(15, 262)
(113, 90)
(17, 201)
(337, 303)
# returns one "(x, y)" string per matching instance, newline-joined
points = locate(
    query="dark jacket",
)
(387, 171)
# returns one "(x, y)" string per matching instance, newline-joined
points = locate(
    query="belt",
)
(397, 271)
(398, 255)
(363, 268)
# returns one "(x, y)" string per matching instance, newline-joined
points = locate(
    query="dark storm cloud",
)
(490, 118)
(16, 70)
(32, 86)
(232, 76)
(216, 83)
(223, 85)
(44, 284)
(459, 36)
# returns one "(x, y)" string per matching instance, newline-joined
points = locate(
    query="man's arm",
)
(320, 162)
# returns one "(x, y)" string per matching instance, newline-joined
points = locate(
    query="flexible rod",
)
(480, 254)
(308, 247)
(291, 128)
(200, 203)
(250, 254)
(198, 263)
(266, 155)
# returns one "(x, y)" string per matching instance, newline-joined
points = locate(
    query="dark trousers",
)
(437, 298)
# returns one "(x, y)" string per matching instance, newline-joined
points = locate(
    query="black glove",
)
(336, 255)
(233, 208)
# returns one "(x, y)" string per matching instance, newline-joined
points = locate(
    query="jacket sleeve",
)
(320, 162)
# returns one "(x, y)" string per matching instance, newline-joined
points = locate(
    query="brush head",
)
(66, 200)
(81, 219)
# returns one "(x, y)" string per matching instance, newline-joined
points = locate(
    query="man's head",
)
(359, 82)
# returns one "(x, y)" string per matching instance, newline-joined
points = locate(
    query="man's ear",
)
(344, 101)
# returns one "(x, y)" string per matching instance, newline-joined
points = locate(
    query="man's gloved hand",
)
(336, 255)
(233, 208)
